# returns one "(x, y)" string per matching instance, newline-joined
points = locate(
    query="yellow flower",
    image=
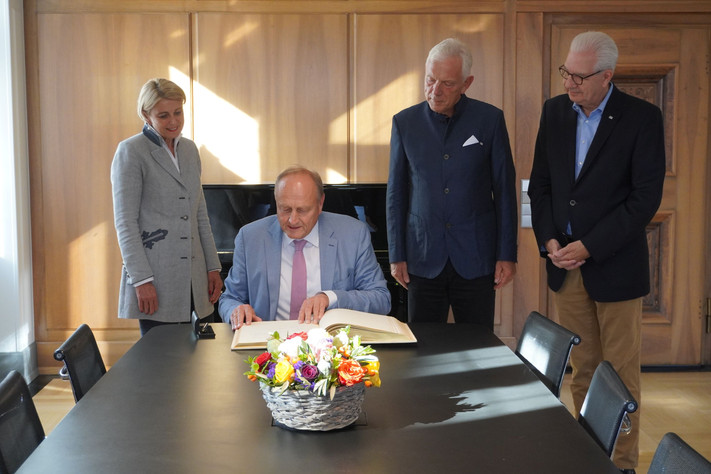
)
(372, 370)
(375, 378)
(371, 366)
(283, 371)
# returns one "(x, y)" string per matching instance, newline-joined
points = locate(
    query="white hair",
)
(599, 43)
(449, 48)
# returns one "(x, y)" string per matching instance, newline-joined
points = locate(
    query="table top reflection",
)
(458, 399)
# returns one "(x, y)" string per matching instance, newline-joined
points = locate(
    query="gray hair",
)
(154, 91)
(599, 43)
(297, 169)
(449, 48)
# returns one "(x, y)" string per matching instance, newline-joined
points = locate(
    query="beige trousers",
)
(608, 331)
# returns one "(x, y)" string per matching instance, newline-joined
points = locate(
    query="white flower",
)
(290, 347)
(340, 340)
(324, 365)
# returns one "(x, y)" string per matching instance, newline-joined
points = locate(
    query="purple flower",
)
(309, 372)
(298, 365)
(270, 371)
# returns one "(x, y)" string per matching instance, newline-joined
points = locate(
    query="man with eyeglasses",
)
(451, 198)
(596, 182)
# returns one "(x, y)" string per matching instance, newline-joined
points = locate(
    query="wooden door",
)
(667, 66)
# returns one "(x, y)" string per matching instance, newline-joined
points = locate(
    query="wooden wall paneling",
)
(91, 68)
(390, 55)
(271, 91)
(691, 158)
(530, 67)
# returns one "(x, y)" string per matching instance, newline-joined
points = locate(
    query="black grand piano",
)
(232, 206)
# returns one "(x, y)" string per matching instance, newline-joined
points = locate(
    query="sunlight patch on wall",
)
(239, 33)
(333, 177)
(224, 133)
(86, 287)
(476, 24)
(182, 80)
(373, 115)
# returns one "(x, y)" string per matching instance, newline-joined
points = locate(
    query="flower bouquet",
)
(315, 381)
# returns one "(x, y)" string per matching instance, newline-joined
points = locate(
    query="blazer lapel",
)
(328, 246)
(569, 130)
(610, 117)
(272, 252)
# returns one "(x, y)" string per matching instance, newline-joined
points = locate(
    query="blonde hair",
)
(154, 91)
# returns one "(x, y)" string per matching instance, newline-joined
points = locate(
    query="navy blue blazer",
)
(451, 190)
(615, 196)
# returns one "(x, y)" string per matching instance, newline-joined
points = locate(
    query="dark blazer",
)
(451, 190)
(613, 199)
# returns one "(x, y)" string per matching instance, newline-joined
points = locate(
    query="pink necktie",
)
(298, 279)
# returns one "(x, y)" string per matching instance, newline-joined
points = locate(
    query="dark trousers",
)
(472, 301)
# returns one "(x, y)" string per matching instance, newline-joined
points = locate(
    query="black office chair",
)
(606, 405)
(82, 360)
(20, 427)
(544, 346)
(674, 456)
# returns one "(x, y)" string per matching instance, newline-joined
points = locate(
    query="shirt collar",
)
(156, 137)
(311, 238)
(600, 107)
(458, 107)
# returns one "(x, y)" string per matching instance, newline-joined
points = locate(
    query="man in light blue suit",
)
(341, 269)
(451, 199)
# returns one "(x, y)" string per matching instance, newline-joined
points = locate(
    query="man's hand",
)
(399, 271)
(504, 273)
(312, 309)
(214, 285)
(243, 314)
(569, 257)
(147, 298)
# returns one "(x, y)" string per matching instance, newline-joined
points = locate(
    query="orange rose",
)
(350, 372)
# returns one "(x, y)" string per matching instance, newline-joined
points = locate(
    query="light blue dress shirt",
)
(587, 127)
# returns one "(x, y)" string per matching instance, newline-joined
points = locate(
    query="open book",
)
(372, 328)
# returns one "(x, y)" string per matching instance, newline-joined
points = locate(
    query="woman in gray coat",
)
(170, 263)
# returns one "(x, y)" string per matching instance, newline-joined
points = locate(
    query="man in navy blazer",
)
(596, 182)
(451, 198)
(342, 271)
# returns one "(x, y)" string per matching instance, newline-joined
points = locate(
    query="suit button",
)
(446, 157)
(572, 202)
(185, 218)
(448, 225)
(446, 190)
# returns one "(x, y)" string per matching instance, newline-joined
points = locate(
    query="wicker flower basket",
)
(302, 410)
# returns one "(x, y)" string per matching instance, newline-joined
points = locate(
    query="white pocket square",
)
(470, 141)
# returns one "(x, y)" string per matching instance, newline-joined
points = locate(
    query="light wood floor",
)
(672, 401)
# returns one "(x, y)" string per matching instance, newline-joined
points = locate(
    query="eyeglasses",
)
(577, 78)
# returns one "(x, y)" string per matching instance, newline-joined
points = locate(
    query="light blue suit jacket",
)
(348, 267)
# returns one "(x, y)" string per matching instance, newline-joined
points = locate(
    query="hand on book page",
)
(372, 328)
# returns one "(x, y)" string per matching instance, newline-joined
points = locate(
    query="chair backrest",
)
(20, 427)
(674, 456)
(83, 360)
(545, 347)
(605, 406)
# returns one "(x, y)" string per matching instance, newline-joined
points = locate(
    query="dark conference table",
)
(459, 400)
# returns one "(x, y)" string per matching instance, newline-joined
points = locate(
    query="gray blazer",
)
(162, 226)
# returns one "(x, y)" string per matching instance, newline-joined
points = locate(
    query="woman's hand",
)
(214, 286)
(147, 298)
